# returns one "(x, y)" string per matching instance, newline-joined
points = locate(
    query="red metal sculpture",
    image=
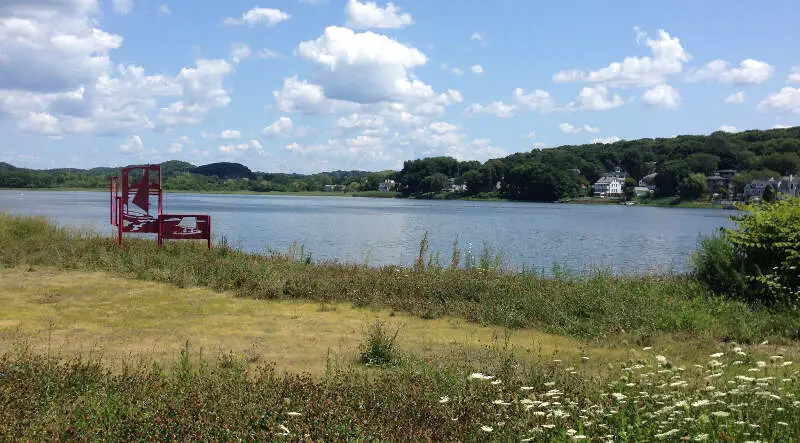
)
(132, 209)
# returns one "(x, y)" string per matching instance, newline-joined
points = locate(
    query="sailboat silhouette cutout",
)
(188, 226)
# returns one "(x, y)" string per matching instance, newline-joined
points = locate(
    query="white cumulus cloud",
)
(794, 77)
(748, 72)
(239, 52)
(606, 140)
(567, 128)
(242, 147)
(164, 9)
(668, 57)
(477, 69)
(537, 100)
(365, 67)
(738, 97)
(787, 101)
(281, 127)
(132, 145)
(366, 15)
(596, 99)
(662, 96)
(230, 134)
(256, 16)
(728, 128)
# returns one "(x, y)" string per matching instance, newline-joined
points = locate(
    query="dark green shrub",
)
(767, 241)
(716, 265)
(759, 259)
(380, 347)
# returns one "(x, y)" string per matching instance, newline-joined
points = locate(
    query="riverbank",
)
(665, 202)
(594, 306)
(185, 343)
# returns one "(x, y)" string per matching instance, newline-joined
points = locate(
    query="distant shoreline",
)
(659, 203)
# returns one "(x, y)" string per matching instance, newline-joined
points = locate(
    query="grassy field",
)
(183, 343)
(75, 312)
(597, 306)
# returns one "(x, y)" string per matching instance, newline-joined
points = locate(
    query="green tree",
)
(693, 187)
(785, 162)
(633, 163)
(669, 177)
(769, 194)
(628, 189)
(433, 183)
(703, 163)
(475, 181)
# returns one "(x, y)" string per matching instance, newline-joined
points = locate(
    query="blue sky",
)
(312, 85)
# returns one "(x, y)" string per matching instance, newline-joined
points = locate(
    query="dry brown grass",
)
(81, 312)
(88, 312)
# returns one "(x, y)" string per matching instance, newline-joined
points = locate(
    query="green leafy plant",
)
(767, 242)
(380, 345)
(759, 259)
(716, 264)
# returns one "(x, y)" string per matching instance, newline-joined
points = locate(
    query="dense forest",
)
(539, 175)
(568, 171)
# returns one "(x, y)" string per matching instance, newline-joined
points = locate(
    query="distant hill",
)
(223, 170)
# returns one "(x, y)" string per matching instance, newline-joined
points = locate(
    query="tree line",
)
(182, 176)
(680, 164)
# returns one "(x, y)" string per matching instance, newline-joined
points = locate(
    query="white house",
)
(608, 187)
(386, 186)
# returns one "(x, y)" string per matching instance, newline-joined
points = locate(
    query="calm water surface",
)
(388, 231)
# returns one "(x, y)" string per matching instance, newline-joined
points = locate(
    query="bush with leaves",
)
(764, 246)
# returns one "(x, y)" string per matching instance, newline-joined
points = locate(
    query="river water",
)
(622, 239)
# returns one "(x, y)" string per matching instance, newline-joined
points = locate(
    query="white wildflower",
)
(661, 359)
(548, 426)
(786, 363)
(571, 432)
(619, 396)
(294, 414)
(744, 378)
(480, 376)
(497, 382)
(761, 364)
(550, 383)
(701, 437)
(717, 355)
(721, 414)
(526, 388)
(647, 348)
(700, 403)
(667, 434)
(444, 399)
(486, 428)
(579, 437)
(284, 429)
(783, 423)
(501, 403)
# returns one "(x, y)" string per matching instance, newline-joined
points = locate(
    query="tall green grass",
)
(597, 306)
(732, 395)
